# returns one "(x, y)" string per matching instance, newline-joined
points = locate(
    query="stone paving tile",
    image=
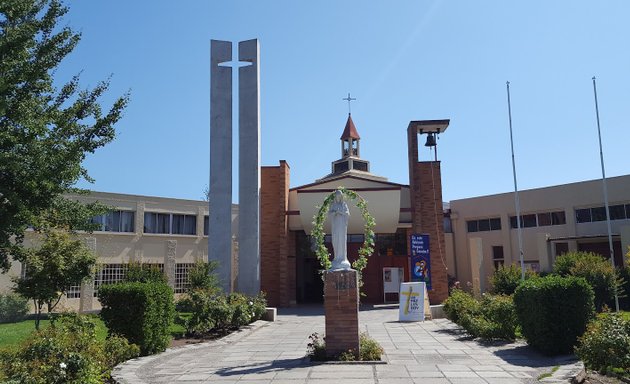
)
(459, 374)
(342, 380)
(431, 380)
(432, 352)
(500, 380)
(468, 380)
(431, 374)
(396, 380)
(453, 368)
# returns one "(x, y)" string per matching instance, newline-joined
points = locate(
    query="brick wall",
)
(425, 182)
(341, 304)
(277, 243)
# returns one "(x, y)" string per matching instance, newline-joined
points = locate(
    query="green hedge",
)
(142, 312)
(66, 352)
(220, 313)
(553, 312)
(605, 346)
(458, 304)
(504, 280)
(494, 317)
(13, 307)
(595, 269)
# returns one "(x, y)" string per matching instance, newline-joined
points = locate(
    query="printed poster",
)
(411, 302)
(420, 259)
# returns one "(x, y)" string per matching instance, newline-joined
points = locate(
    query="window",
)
(529, 221)
(617, 212)
(448, 225)
(74, 292)
(483, 225)
(184, 225)
(598, 214)
(544, 219)
(541, 219)
(181, 277)
(497, 256)
(109, 274)
(206, 222)
(116, 221)
(558, 218)
(170, 223)
(583, 215)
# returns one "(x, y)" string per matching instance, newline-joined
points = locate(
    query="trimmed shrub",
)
(504, 280)
(221, 313)
(141, 312)
(494, 318)
(203, 276)
(597, 271)
(145, 273)
(605, 346)
(458, 304)
(553, 312)
(13, 307)
(67, 351)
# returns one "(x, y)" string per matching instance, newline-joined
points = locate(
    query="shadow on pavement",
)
(302, 310)
(514, 354)
(262, 367)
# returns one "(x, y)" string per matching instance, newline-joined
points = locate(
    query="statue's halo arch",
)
(317, 233)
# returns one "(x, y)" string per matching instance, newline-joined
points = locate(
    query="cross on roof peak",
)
(349, 99)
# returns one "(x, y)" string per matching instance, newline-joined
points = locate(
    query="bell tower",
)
(350, 151)
(350, 140)
(427, 211)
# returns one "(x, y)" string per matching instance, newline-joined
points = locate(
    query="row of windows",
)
(542, 219)
(116, 221)
(482, 225)
(617, 212)
(170, 223)
(115, 273)
(164, 223)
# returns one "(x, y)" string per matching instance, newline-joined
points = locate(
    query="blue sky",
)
(402, 60)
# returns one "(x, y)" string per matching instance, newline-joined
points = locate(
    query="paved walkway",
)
(431, 352)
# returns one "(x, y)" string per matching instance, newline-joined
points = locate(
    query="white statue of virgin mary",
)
(339, 214)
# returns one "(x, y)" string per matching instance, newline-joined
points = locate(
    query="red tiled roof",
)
(350, 132)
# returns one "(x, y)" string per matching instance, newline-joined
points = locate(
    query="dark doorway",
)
(309, 284)
(603, 249)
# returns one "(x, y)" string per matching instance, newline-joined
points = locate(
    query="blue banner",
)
(420, 259)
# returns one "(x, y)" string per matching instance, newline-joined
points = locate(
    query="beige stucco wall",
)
(567, 198)
(118, 247)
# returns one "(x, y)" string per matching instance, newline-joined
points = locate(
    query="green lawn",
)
(12, 334)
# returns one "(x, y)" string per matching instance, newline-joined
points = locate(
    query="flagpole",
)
(516, 199)
(601, 158)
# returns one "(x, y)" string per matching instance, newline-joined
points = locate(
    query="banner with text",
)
(420, 259)
(411, 302)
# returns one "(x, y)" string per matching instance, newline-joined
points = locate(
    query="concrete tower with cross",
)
(220, 188)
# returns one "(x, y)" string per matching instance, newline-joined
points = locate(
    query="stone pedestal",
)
(341, 303)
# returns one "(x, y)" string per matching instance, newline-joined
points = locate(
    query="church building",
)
(290, 271)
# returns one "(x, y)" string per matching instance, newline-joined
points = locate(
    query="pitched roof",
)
(350, 131)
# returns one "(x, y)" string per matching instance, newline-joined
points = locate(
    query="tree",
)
(45, 132)
(52, 268)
